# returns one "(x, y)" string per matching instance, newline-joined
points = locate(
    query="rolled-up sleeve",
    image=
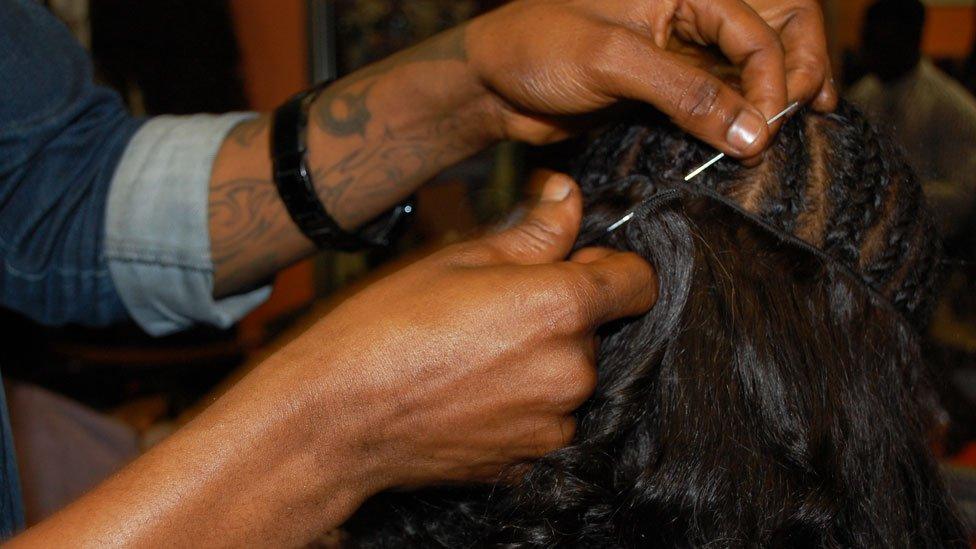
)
(157, 242)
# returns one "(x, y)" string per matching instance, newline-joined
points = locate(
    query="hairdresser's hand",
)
(463, 363)
(475, 358)
(800, 26)
(546, 59)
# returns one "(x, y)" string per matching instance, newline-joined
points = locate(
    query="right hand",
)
(475, 357)
(447, 371)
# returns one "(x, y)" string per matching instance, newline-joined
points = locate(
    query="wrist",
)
(333, 418)
(290, 445)
(363, 414)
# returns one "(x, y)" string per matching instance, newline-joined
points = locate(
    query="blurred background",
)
(84, 402)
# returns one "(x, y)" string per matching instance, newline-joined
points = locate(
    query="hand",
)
(465, 362)
(475, 358)
(800, 26)
(548, 59)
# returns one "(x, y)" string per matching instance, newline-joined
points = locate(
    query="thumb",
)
(548, 231)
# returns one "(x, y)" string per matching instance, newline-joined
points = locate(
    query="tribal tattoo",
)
(370, 165)
(343, 112)
(245, 133)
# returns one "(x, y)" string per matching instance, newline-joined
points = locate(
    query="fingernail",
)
(555, 190)
(745, 130)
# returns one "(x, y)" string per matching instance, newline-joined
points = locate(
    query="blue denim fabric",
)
(66, 145)
(103, 216)
(61, 138)
(11, 504)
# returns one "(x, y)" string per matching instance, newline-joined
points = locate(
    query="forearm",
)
(374, 138)
(390, 390)
(240, 474)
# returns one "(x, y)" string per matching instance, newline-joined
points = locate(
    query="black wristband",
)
(289, 150)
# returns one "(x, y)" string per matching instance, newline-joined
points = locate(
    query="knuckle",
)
(607, 53)
(561, 398)
(809, 68)
(556, 434)
(489, 252)
(576, 308)
(700, 98)
(585, 383)
(569, 385)
(567, 432)
(579, 386)
(641, 276)
(593, 285)
(769, 40)
(538, 235)
(565, 397)
(469, 254)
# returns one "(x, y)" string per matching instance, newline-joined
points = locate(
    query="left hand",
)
(545, 60)
(800, 26)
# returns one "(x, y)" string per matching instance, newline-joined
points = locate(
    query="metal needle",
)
(697, 171)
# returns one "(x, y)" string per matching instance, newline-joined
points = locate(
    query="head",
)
(892, 37)
(774, 396)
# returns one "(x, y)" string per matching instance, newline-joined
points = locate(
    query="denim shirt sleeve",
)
(60, 140)
(103, 216)
(11, 502)
(157, 240)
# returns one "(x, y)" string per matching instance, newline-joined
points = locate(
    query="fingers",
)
(747, 41)
(623, 285)
(827, 99)
(542, 437)
(699, 102)
(548, 231)
(589, 255)
(599, 286)
(808, 71)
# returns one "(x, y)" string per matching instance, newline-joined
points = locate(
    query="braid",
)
(905, 221)
(784, 211)
(915, 293)
(857, 200)
(771, 397)
(852, 193)
(875, 178)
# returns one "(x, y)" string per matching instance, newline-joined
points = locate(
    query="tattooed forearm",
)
(369, 179)
(248, 230)
(373, 138)
(342, 111)
(386, 160)
(247, 132)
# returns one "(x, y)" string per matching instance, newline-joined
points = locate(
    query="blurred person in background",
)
(933, 117)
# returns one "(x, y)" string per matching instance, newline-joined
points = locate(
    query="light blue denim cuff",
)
(157, 240)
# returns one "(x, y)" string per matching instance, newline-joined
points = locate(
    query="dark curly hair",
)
(774, 396)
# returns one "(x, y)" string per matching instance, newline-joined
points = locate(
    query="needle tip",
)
(618, 224)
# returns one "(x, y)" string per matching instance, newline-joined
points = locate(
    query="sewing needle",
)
(697, 171)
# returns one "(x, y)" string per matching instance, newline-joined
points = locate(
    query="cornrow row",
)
(831, 181)
(856, 189)
(899, 271)
(784, 212)
(773, 397)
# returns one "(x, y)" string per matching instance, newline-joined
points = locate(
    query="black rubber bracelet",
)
(289, 152)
